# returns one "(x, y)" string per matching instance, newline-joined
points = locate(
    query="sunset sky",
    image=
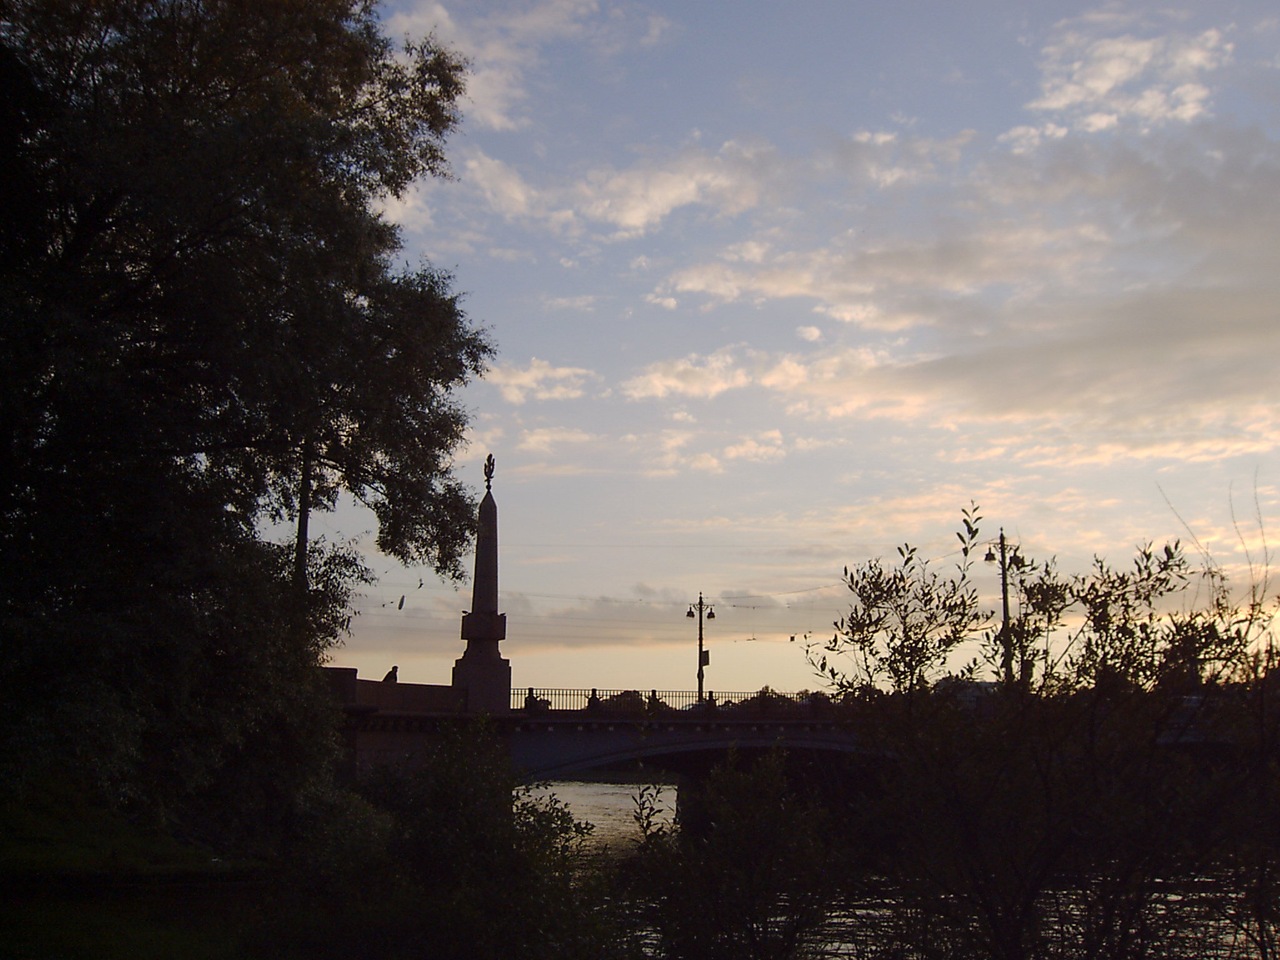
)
(779, 286)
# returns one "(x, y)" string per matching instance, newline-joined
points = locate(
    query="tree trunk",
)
(304, 517)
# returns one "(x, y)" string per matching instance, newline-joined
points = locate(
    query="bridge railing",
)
(640, 702)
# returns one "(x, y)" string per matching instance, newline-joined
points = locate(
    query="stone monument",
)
(481, 670)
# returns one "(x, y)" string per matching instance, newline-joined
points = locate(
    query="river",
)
(608, 807)
(1198, 931)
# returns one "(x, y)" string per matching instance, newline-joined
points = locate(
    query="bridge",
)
(555, 733)
(559, 733)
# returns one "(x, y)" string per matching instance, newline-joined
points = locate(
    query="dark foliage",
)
(450, 860)
(743, 874)
(202, 328)
(1108, 798)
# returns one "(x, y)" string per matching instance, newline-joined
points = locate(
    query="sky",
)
(776, 287)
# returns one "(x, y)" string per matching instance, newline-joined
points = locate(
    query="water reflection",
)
(609, 807)
(1186, 920)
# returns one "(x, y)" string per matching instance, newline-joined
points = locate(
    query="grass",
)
(110, 921)
(79, 882)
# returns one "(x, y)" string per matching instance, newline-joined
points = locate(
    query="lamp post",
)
(703, 656)
(1008, 558)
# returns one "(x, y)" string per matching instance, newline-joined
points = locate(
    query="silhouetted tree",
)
(749, 880)
(457, 860)
(904, 621)
(203, 327)
(1112, 809)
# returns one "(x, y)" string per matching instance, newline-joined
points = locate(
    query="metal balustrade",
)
(642, 702)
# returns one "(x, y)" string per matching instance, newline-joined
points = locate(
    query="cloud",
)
(539, 381)
(748, 251)
(764, 447)
(902, 282)
(410, 210)
(666, 303)
(820, 274)
(1086, 381)
(672, 451)
(1018, 280)
(1146, 380)
(584, 302)
(544, 439)
(838, 384)
(1025, 139)
(705, 463)
(658, 27)
(635, 200)
(890, 161)
(1112, 295)
(501, 186)
(1099, 81)
(503, 49)
(631, 202)
(690, 376)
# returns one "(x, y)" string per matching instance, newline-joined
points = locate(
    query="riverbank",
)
(78, 882)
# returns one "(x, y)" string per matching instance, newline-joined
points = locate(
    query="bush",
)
(453, 859)
(743, 878)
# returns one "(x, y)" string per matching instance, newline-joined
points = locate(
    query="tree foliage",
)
(904, 620)
(746, 876)
(452, 859)
(1157, 622)
(203, 325)
(205, 278)
(1113, 801)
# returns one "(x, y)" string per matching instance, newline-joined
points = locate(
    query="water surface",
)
(608, 807)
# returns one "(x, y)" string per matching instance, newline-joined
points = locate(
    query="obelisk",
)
(481, 670)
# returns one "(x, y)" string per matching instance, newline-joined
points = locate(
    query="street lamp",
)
(1007, 559)
(704, 656)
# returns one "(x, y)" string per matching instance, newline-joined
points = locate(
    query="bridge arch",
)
(552, 749)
